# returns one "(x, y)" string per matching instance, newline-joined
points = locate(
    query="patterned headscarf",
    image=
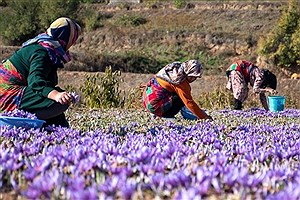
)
(60, 36)
(177, 72)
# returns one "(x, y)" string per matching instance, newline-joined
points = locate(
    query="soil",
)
(286, 86)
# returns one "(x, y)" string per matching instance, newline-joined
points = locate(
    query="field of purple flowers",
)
(129, 154)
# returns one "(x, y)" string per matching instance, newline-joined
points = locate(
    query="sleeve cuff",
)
(46, 91)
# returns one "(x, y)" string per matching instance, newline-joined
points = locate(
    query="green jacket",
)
(34, 64)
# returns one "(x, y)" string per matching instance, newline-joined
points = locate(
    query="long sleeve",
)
(263, 100)
(38, 75)
(184, 92)
(256, 79)
(34, 64)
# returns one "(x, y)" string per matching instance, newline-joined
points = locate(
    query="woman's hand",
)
(271, 91)
(63, 98)
(209, 118)
(60, 97)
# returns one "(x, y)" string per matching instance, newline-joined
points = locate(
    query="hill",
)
(215, 32)
(141, 38)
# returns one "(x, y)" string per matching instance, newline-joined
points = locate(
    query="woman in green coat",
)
(28, 79)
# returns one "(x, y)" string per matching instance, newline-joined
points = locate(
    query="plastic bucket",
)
(21, 122)
(276, 103)
(187, 114)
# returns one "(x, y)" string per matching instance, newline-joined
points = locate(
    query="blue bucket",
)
(21, 122)
(276, 103)
(187, 114)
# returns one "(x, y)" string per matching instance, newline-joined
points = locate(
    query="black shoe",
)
(238, 105)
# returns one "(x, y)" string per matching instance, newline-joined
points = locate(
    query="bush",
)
(219, 98)
(19, 21)
(102, 91)
(3, 3)
(51, 10)
(179, 3)
(131, 20)
(282, 43)
(24, 19)
(296, 44)
(134, 98)
(92, 20)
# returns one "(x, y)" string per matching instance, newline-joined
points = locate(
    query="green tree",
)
(280, 45)
(19, 20)
(51, 10)
(22, 19)
(296, 44)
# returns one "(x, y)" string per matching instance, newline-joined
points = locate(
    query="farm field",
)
(129, 154)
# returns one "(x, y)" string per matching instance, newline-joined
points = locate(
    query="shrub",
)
(296, 44)
(282, 43)
(3, 3)
(219, 98)
(19, 21)
(179, 3)
(131, 20)
(134, 98)
(102, 91)
(25, 19)
(51, 10)
(92, 20)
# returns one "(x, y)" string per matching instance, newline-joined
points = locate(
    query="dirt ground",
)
(286, 86)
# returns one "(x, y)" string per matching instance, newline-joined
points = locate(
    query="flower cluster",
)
(19, 113)
(75, 97)
(240, 155)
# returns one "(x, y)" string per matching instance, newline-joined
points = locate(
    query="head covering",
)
(177, 72)
(270, 79)
(65, 31)
(58, 38)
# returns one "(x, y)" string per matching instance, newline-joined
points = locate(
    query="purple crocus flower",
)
(89, 193)
(75, 97)
(30, 173)
(128, 190)
(190, 193)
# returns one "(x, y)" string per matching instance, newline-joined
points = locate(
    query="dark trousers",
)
(53, 115)
(177, 104)
(238, 105)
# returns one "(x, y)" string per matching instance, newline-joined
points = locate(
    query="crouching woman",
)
(241, 73)
(169, 91)
(28, 79)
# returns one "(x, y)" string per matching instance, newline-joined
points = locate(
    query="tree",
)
(19, 20)
(282, 44)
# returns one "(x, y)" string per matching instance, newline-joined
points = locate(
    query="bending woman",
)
(242, 72)
(29, 77)
(169, 91)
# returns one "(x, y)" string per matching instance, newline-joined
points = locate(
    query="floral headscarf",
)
(177, 72)
(58, 38)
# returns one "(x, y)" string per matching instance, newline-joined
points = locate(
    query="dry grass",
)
(207, 84)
